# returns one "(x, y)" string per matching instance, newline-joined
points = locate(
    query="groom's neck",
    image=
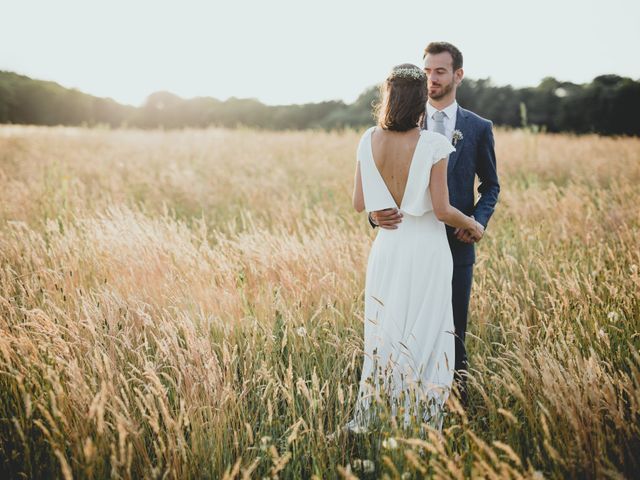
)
(442, 103)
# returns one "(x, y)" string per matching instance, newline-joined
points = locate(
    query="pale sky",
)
(288, 51)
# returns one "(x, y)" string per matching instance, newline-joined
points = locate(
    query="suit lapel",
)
(461, 124)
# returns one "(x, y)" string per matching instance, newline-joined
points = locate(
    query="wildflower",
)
(410, 73)
(365, 466)
(602, 335)
(264, 443)
(301, 331)
(368, 466)
(457, 135)
(390, 443)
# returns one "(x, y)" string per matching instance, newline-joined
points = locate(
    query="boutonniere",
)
(457, 135)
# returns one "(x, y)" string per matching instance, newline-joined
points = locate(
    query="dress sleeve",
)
(441, 147)
(362, 144)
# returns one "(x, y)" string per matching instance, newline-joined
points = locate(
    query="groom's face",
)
(441, 79)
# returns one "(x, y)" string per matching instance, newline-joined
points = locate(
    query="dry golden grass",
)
(188, 304)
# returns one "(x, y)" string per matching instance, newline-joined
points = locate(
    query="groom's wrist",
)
(481, 220)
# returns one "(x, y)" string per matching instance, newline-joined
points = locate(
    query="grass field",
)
(188, 304)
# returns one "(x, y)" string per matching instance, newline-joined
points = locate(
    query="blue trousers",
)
(461, 292)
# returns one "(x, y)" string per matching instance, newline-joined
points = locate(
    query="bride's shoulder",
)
(364, 138)
(431, 133)
(435, 138)
(439, 145)
(369, 130)
(366, 133)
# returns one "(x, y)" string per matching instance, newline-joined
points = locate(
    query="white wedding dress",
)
(409, 332)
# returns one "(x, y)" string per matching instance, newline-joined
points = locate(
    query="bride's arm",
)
(440, 199)
(358, 197)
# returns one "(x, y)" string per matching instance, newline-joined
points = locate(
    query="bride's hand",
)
(470, 235)
(478, 231)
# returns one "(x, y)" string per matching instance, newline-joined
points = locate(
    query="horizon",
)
(259, 100)
(201, 49)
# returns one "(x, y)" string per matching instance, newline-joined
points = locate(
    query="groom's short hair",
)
(439, 47)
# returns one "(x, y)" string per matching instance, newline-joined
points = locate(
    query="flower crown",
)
(408, 73)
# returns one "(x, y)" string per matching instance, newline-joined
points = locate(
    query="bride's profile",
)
(408, 319)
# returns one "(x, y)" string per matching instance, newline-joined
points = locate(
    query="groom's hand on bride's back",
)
(387, 218)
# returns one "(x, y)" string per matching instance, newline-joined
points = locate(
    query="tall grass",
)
(188, 304)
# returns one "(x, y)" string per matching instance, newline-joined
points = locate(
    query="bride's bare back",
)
(392, 155)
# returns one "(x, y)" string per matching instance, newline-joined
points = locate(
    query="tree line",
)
(607, 105)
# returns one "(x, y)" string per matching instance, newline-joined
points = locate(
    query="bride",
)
(409, 332)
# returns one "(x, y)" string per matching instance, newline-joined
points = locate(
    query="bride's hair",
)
(403, 98)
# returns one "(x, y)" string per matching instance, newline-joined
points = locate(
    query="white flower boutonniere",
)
(457, 135)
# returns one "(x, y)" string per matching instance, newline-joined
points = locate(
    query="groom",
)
(472, 137)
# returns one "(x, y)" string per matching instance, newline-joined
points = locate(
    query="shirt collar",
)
(450, 110)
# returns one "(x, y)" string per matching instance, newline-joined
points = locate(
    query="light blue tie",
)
(438, 122)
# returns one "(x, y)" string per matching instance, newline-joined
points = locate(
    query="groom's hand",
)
(463, 235)
(468, 236)
(479, 233)
(387, 218)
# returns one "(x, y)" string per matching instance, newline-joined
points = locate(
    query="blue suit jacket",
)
(474, 155)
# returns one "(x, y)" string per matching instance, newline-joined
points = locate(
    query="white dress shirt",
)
(449, 119)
